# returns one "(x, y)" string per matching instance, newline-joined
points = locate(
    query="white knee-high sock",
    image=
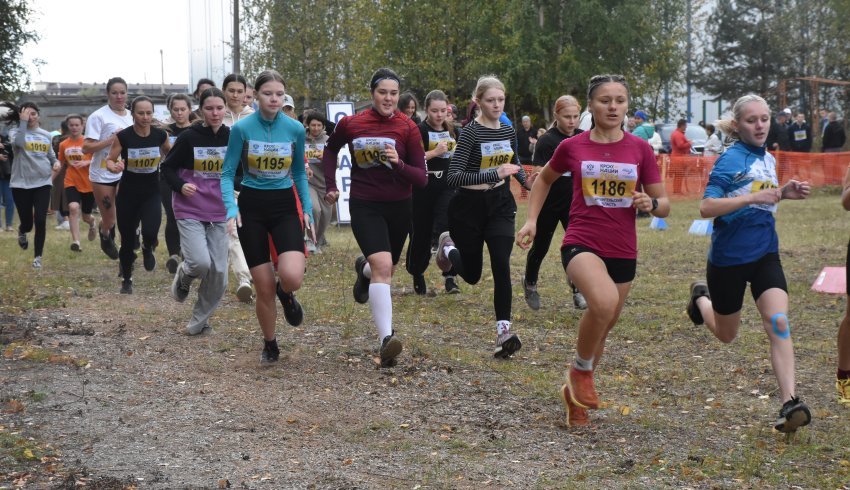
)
(382, 308)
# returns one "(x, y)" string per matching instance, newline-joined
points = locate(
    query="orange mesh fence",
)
(685, 177)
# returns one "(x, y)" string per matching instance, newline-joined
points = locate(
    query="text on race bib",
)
(142, 160)
(435, 138)
(608, 184)
(495, 153)
(208, 161)
(800, 135)
(269, 160)
(369, 152)
(36, 144)
(760, 185)
(764, 177)
(314, 152)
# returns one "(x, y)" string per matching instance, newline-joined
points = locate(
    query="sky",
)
(95, 40)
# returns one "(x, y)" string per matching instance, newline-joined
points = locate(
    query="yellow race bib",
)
(269, 160)
(495, 153)
(369, 152)
(142, 160)
(608, 184)
(434, 139)
(208, 162)
(314, 152)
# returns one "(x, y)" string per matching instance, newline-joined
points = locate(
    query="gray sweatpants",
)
(204, 246)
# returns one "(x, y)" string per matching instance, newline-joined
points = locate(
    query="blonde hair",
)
(485, 83)
(563, 102)
(725, 125)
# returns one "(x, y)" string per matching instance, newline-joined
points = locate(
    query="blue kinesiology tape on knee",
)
(782, 334)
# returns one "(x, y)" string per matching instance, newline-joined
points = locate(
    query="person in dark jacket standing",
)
(801, 134)
(778, 137)
(526, 136)
(833, 135)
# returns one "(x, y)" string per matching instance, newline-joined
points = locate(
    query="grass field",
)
(102, 388)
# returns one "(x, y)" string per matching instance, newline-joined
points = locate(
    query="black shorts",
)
(727, 285)
(266, 213)
(483, 214)
(619, 270)
(108, 184)
(380, 226)
(86, 199)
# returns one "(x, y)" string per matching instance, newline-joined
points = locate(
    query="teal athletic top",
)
(272, 157)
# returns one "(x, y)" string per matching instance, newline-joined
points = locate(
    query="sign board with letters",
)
(335, 112)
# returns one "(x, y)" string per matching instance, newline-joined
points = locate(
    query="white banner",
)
(336, 111)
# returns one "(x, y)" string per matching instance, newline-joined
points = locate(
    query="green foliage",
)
(15, 32)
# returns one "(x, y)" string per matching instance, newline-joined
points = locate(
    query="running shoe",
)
(75, 246)
(172, 263)
(107, 244)
(271, 352)
(311, 247)
(698, 288)
(204, 329)
(361, 284)
(148, 258)
(576, 416)
(578, 301)
(531, 295)
(292, 310)
(22, 240)
(63, 226)
(419, 285)
(506, 344)
(127, 286)
(391, 347)
(245, 292)
(36, 263)
(9, 228)
(581, 389)
(442, 260)
(793, 415)
(92, 231)
(451, 285)
(843, 387)
(180, 286)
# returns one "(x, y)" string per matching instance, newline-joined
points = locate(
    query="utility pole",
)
(162, 73)
(236, 47)
(690, 46)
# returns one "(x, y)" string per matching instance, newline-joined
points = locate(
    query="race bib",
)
(269, 160)
(764, 177)
(495, 153)
(36, 144)
(800, 135)
(208, 162)
(142, 160)
(74, 154)
(171, 140)
(608, 184)
(434, 139)
(314, 152)
(369, 152)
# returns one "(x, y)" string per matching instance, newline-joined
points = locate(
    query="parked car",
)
(693, 132)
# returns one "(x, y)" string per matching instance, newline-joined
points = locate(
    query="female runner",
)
(77, 185)
(180, 107)
(140, 148)
(266, 144)
(599, 252)
(388, 160)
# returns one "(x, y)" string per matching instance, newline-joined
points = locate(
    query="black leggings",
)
(32, 207)
(172, 233)
(555, 209)
(430, 206)
(133, 208)
(476, 218)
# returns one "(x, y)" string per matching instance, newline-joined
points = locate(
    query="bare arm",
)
(92, 145)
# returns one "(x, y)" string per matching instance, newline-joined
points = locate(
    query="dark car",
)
(693, 132)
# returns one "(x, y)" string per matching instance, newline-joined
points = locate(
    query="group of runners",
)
(237, 183)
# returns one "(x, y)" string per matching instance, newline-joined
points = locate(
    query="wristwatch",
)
(654, 204)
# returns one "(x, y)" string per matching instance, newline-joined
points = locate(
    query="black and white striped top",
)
(479, 152)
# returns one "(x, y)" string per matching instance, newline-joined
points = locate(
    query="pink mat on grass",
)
(831, 280)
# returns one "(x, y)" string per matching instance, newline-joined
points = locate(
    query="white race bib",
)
(608, 184)
(434, 139)
(800, 135)
(314, 152)
(208, 162)
(369, 152)
(142, 160)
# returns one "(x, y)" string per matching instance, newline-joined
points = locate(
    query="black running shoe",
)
(148, 258)
(127, 286)
(292, 310)
(271, 352)
(698, 288)
(180, 286)
(793, 415)
(361, 284)
(22, 240)
(107, 244)
(506, 344)
(391, 347)
(419, 285)
(451, 286)
(172, 263)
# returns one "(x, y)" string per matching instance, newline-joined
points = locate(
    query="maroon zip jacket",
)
(372, 177)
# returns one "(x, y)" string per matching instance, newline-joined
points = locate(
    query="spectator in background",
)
(408, 104)
(526, 137)
(801, 134)
(202, 85)
(289, 106)
(824, 120)
(631, 124)
(713, 146)
(680, 145)
(833, 134)
(778, 137)
(643, 129)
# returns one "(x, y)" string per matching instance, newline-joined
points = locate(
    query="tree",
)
(15, 32)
